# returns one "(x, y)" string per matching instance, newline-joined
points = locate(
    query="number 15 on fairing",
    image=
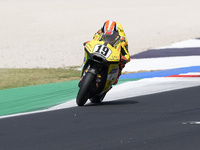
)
(103, 50)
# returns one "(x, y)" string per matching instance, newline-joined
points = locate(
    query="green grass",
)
(13, 78)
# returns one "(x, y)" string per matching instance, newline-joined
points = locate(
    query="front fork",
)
(93, 71)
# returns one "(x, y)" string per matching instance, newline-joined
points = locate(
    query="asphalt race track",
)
(163, 121)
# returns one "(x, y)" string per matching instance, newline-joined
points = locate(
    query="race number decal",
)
(103, 50)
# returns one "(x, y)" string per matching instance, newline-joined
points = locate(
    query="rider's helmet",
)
(110, 32)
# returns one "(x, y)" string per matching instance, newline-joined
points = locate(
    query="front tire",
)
(84, 90)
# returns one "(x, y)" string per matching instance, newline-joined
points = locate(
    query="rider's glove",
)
(85, 43)
(122, 39)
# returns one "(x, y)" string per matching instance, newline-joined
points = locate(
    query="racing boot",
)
(119, 74)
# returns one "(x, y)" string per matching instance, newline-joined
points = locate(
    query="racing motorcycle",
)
(100, 70)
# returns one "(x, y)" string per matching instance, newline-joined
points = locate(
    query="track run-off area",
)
(155, 109)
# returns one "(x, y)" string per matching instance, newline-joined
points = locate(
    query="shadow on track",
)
(127, 101)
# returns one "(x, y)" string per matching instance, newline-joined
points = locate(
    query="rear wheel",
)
(98, 98)
(84, 90)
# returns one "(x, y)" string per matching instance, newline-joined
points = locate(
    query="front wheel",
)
(84, 91)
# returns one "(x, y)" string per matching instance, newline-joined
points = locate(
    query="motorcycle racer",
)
(113, 32)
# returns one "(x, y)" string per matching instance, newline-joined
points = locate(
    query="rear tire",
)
(98, 99)
(84, 90)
